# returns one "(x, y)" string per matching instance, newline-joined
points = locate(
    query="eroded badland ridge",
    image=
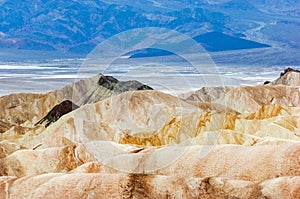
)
(103, 138)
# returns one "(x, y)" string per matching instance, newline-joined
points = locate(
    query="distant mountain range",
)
(212, 41)
(77, 26)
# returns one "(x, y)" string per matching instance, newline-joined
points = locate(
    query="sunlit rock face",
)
(17, 109)
(22, 111)
(248, 98)
(289, 77)
(78, 186)
(152, 118)
(101, 138)
(283, 91)
(206, 94)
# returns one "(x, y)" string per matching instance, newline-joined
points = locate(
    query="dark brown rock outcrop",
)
(117, 86)
(289, 77)
(287, 70)
(57, 112)
(108, 82)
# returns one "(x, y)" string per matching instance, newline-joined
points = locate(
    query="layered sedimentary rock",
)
(101, 138)
(289, 77)
(226, 178)
(17, 109)
(97, 88)
(283, 91)
(145, 186)
(236, 171)
(206, 94)
(57, 112)
(152, 118)
(22, 110)
(248, 98)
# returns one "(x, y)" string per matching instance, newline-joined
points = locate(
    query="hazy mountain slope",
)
(78, 26)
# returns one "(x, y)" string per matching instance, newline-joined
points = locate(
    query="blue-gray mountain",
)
(79, 25)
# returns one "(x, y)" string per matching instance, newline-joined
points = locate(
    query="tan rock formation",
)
(77, 186)
(152, 118)
(228, 161)
(17, 109)
(249, 98)
(33, 162)
(241, 142)
(142, 118)
(290, 77)
(7, 148)
(255, 163)
(206, 94)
